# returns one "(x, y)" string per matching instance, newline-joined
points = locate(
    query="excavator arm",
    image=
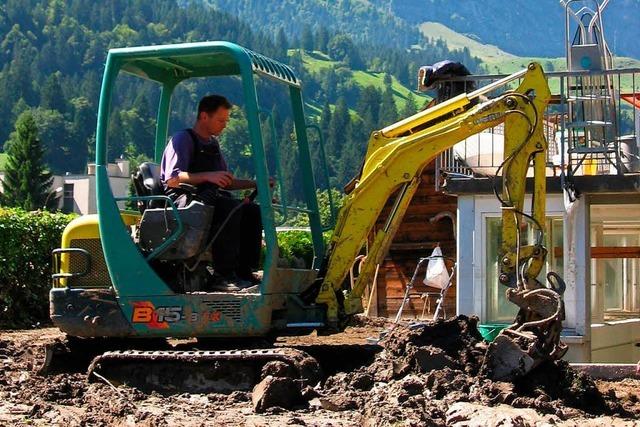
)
(394, 162)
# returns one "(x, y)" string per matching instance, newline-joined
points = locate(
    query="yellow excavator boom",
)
(395, 159)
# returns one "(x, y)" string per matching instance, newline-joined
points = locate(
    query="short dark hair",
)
(211, 103)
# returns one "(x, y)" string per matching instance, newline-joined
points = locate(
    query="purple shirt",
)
(179, 153)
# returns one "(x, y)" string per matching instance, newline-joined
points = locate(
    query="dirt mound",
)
(426, 368)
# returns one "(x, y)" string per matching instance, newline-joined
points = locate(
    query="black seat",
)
(158, 220)
(147, 182)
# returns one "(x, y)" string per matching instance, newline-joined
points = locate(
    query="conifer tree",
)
(388, 111)
(282, 43)
(409, 107)
(27, 182)
(321, 39)
(307, 39)
(51, 97)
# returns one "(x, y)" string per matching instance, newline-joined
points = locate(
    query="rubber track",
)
(307, 367)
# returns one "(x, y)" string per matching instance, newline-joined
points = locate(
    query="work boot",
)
(218, 283)
(249, 276)
(238, 281)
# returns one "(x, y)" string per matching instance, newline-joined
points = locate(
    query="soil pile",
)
(426, 368)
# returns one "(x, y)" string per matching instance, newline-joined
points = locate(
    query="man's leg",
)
(226, 247)
(250, 240)
(180, 200)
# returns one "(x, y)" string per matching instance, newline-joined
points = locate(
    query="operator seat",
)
(147, 182)
(159, 221)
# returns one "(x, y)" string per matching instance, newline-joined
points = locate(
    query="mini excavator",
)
(126, 275)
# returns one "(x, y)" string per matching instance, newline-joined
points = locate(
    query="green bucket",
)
(490, 331)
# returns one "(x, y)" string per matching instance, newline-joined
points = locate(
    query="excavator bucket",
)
(532, 339)
(506, 359)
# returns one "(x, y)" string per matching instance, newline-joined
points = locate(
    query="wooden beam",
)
(607, 252)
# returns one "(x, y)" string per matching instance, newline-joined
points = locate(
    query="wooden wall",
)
(416, 238)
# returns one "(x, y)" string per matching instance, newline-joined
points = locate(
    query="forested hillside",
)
(52, 54)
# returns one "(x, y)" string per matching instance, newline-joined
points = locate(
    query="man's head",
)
(213, 114)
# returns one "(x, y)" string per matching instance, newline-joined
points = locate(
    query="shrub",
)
(324, 207)
(26, 242)
(296, 247)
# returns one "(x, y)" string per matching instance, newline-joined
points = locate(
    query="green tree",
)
(51, 97)
(282, 43)
(369, 101)
(322, 39)
(341, 47)
(55, 133)
(26, 182)
(307, 39)
(336, 138)
(388, 110)
(409, 108)
(235, 144)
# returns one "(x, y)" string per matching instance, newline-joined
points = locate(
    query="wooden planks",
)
(415, 239)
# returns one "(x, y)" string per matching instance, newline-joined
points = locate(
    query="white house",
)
(79, 190)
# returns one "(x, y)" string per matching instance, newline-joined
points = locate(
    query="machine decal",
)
(162, 317)
(145, 312)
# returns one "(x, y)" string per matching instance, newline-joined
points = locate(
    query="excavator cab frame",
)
(148, 305)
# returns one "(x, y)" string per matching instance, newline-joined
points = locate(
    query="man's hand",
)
(222, 179)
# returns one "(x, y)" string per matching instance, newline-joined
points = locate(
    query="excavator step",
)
(197, 371)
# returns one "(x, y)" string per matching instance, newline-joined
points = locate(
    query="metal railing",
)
(591, 125)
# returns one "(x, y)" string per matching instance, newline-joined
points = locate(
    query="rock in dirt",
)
(338, 403)
(309, 393)
(275, 391)
(277, 368)
(362, 381)
(463, 414)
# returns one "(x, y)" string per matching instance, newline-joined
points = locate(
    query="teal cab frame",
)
(132, 300)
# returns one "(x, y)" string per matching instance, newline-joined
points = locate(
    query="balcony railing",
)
(591, 124)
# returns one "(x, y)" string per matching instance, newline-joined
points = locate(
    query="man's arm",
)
(242, 184)
(222, 179)
(247, 184)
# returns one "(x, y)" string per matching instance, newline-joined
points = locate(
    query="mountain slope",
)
(455, 40)
(521, 27)
(314, 62)
(498, 61)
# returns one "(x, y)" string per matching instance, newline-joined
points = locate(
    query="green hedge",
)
(296, 248)
(26, 242)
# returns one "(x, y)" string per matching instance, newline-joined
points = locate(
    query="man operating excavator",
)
(193, 157)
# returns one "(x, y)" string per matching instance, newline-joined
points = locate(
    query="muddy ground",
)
(424, 376)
